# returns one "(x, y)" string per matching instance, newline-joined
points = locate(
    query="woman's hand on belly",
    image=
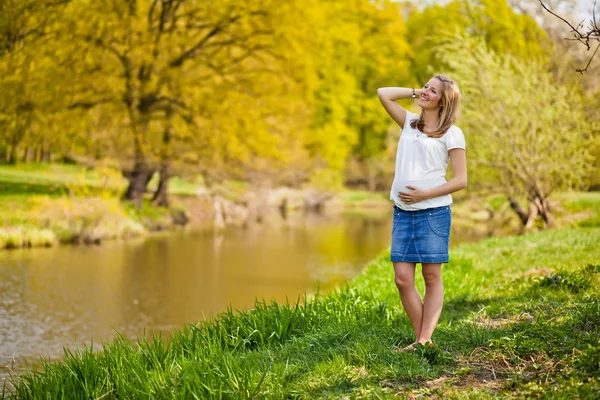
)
(415, 195)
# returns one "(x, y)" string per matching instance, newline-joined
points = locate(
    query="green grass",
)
(56, 179)
(26, 237)
(479, 215)
(42, 204)
(153, 218)
(588, 203)
(177, 185)
(520, 320)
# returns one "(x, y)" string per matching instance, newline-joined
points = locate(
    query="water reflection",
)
(68, 296)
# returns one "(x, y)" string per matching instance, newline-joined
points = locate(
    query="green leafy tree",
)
(503, 30)
(527, 135)
(569, 57)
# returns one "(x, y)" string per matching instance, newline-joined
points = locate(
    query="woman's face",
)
(431, 95)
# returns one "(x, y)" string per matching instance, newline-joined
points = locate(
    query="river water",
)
(71, 296)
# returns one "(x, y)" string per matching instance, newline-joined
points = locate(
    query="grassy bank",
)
(47, 204)
(520, 321)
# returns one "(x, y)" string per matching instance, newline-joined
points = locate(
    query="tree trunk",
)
(45, 156)
(219, 220)
(12, 154)
(524, 216)
(544, 210)
(533, 213)
(29, 155)
(141, 173)
(372, 178)
(160, 197)
(138, 180)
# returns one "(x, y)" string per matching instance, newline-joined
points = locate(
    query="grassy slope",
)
(520, 320)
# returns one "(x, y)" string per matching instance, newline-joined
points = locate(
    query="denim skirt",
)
(421, 236)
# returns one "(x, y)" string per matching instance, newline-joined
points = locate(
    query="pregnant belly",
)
(401, 185)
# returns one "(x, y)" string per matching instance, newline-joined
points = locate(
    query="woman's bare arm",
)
(388, 97)
(459, 169)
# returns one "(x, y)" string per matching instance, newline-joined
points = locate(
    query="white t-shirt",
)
(421, 162)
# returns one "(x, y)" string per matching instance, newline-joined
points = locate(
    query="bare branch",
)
(218, 28)
(151, 12)
(559, 17)
(171, 102)
(584, 37)
(89, 104)
(188, 53)
(581, 71)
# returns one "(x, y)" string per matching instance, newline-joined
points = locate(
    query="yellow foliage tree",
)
(137, 55)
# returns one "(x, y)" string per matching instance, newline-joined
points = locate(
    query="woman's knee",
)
(432, 278)
(404, 281)
(404, 275)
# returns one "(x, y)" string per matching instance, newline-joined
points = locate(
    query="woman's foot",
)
(407, 349)
(416, 346)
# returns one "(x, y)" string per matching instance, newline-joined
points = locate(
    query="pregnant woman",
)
(421, 195)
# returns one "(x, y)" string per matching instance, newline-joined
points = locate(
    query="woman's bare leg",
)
(432, 301)
(409, 295)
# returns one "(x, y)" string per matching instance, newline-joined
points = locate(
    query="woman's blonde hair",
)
(449, 103)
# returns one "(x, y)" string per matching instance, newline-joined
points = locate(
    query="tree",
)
(382, 60)
(356, 46)
(133, 53)
(502, 29)
(28, 89)
(526, 134)
(585, 35)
